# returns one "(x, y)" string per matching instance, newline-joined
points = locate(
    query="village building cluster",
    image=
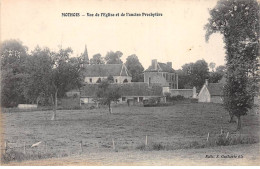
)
(159, 79)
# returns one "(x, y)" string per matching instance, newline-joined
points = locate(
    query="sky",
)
(177, 36)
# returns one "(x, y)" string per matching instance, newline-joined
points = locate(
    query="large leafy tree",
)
(66, 75)
(113, 57)
(107, 93)
(238, 22)
(36, 84)
(13, 58)
(97, 59)
(51, 74)
(193, 74)
(216, 76)
(135, 68)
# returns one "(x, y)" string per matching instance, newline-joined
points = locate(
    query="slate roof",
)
(223, 80)
(140, 89)
(104, 70)
(215, 89)
(125, 89)
(164, 68)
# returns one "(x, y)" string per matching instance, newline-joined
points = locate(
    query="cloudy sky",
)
(177, 36)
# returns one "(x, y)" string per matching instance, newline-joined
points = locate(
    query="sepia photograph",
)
(130, 82)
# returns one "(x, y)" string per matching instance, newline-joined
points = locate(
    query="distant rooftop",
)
(215, 89)
(161, 67)
(104, 70)
(125, 89)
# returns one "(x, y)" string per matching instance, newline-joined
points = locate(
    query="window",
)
(125, 81)
(116, 80)
(90, 80)
(123, 99)
(141, 99)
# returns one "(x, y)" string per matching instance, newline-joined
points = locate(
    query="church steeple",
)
(85, 56)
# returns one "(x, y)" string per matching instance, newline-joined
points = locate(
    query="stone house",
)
(96, 73)
(162, 74)
(211, 92)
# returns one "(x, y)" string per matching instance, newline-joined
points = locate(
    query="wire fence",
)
(49, 149)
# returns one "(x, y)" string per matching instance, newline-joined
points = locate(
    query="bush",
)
(12, 156)
(19, 156)
(174, 98)
(151, 102)
(157, 146)
(222, 140)
(151, 147)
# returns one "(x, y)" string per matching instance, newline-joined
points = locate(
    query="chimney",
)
(207, 82)
(154, 64)
(169, 64)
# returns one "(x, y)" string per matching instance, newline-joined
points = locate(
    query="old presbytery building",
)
(162, 74)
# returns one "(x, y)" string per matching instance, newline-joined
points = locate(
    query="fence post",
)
(227, 135)
(113, 144)
(81, 148)
(45, 147)
(24, 151)
(6, 146)
(146, 140)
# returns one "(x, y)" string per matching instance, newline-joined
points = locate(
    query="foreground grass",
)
(184, 157)
(83, 131)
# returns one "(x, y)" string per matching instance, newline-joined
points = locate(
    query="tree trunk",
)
(238, 123)
(231, 118)
(109, 107)
(55, 106)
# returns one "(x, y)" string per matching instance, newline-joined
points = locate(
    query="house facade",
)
(211, 92)
(96, 73)
(162, 74)
(136, 91)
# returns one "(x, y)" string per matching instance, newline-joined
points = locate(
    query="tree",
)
(65, 75)
(97, 59)
(215, 77)
(194, 74)
(238, 22)
(212, 66)
(113, 57)
(107, 93)
(135, 68)
(13, 58)
(221, 69)
(37, 82)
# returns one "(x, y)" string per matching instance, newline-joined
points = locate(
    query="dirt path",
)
(250, 155)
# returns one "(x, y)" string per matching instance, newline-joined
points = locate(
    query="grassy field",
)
(76, 132)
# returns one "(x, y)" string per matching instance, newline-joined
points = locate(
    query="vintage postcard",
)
(139, 83)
